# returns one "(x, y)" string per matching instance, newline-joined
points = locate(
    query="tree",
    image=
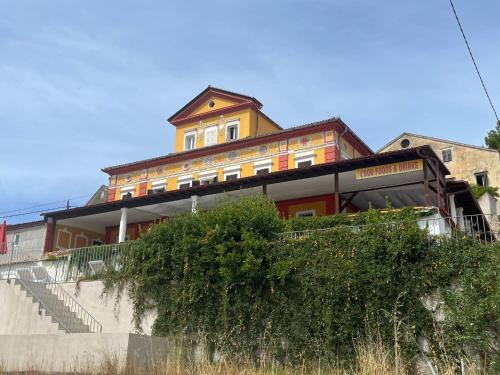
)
(493, 138)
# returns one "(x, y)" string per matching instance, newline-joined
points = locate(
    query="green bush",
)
(229, 276)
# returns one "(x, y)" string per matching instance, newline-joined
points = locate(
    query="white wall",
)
(19, 314)
(114, 318)
(31, 241)
(58, 353)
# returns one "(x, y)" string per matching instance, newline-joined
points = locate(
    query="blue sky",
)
(88, 84)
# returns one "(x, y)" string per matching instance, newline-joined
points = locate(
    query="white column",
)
(194, 203)
(453, 208)
(460, 218)
(123, 225)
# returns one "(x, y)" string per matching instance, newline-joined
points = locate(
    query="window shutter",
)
(331, 154)
(211, 136)
(143, 188)
(111, 195)
(283, 162)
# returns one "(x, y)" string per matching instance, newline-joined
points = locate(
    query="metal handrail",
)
(482, 228)
(41, 303)
(74, 306)
(62, 295)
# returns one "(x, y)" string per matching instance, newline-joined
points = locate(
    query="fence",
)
(482, 228)
(83, 263)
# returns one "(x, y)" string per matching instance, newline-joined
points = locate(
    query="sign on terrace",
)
(389, 169)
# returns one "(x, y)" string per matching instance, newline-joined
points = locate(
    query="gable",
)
(212, 102)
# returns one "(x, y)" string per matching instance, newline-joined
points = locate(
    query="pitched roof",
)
(237, 144)
(215, 90)
(434, 139)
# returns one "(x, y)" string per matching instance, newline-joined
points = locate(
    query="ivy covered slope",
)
(231, 275)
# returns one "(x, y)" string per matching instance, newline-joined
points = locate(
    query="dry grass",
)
(372, 358)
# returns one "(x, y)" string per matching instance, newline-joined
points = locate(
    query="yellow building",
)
(226, 146)
(220, 136)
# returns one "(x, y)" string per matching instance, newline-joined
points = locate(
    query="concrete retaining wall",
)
(19, 314)
(114, 318)
(79, 352)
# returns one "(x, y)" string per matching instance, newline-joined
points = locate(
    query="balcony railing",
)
(481, 228)
(91, 262)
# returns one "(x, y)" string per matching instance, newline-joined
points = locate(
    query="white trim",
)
(185, 177)
(232, 168)
(304, 155)
(186, 134)
(229, 173)
(302, 160)
(208, 174)
(127, 189)
(263, 163)
(242, 160)
(299, 213)
(211, 127)
(232, 123)
(158, 183)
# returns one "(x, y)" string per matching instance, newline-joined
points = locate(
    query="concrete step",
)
(53, 307)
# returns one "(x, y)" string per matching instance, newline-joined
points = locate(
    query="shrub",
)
(228, 275)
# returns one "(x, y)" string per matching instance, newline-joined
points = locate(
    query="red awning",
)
(3, 238)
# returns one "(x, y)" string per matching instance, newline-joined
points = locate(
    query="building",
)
(226, 146)
(27, 240)
(476, 165)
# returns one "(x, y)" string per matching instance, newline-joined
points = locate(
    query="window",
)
(208, 181)
(208, 177)
(405, 143)
(232, 173)
(446, 155)
(232, 131)
(190, 140)
(304, 159)
(307, 213)
(304, 164)
(262, 167)
(16, 239)
(211, 135)
(482, 179)
(185, 182)
(262, 171)
(127, 192)
(157, 187)
(97, 243)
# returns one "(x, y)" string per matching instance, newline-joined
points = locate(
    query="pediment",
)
(212, 102)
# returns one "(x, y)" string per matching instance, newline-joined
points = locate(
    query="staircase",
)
(55, 302)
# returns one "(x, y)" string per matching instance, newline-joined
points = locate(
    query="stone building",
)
(474, 164)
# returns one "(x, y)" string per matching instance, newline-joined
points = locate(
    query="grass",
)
(372, 358)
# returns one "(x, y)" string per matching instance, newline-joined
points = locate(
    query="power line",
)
(44, 204)
(473, 60)
(35, 212)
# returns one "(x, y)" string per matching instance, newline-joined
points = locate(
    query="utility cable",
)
(473, 60)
